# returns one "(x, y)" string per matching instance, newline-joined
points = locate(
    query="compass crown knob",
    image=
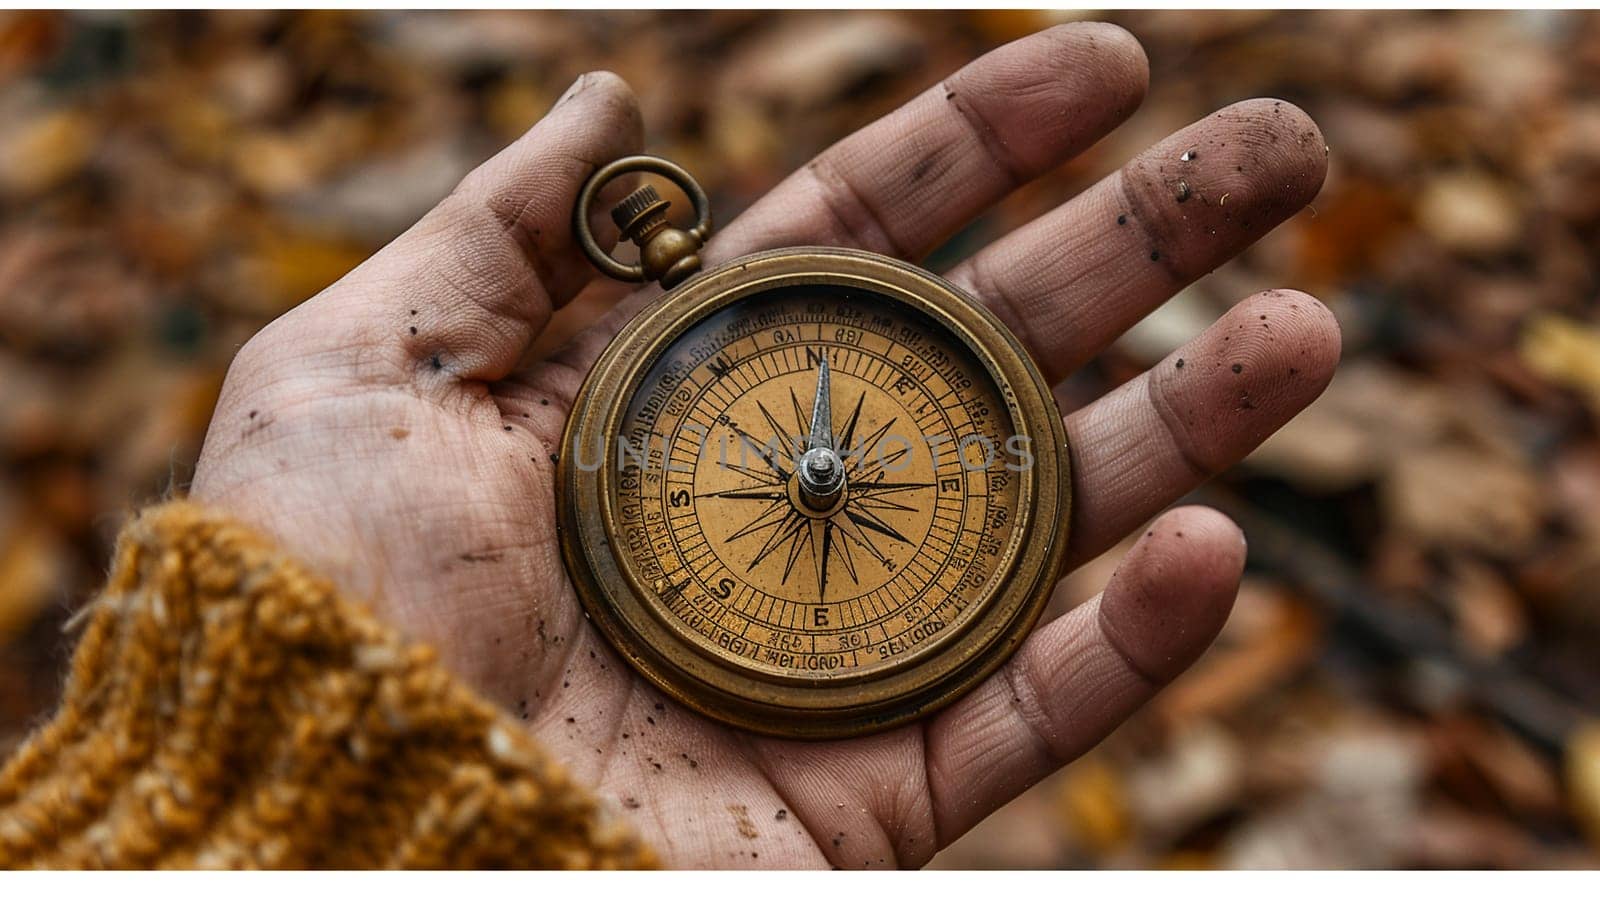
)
(666, 253)
(643, 203)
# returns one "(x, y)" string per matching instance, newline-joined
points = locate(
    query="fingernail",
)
(573, 91)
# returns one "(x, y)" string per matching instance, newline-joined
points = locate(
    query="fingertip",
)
(1288, 344)
(1117, 54)
(609, 95)
(1052, 94)
(1208, 191)
(1284, 140)
(1173, 591)
(1247, 375)
(1308, 327)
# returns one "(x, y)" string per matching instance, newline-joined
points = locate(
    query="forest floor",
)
(1410, 676)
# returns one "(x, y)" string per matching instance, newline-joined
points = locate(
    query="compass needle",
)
(813, 578)
(822, 409)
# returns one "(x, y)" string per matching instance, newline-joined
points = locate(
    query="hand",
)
(385, 431)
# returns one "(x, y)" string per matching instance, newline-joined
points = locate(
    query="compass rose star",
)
(860, 526)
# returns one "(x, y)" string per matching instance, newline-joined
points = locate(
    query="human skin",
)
(389, 432)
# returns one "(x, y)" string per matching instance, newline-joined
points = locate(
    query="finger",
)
(903, 184)
(464, 291)
(1153, 439)
(1080, 676)
(1069, 282)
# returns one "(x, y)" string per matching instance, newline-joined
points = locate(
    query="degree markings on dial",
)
(857, 360)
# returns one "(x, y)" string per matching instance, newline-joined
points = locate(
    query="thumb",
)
(464, 291)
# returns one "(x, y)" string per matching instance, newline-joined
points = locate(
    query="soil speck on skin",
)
(1180, 363)
(399, 432)
(1122, 220)
(554, 459)
(437, 364)
(256, 427)
(1238, 369)
(631, 803)
(781, 815)
(413, 331)
(1155, 255)
(741, 818)
(413, 311)
(650, 719)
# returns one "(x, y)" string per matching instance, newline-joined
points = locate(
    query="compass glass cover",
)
(751, 562)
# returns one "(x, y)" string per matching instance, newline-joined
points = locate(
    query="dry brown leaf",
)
(1488, 613)
(1565, 352)
(1583, 778)
(1460, 497)
(1268, 638)
(32, 563)
(42, 152)
(1469, 212)
(1092, 802)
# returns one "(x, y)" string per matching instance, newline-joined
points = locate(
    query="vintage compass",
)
(813, 492)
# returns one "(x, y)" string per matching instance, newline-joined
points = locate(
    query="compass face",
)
(930, 466)
(821, 503)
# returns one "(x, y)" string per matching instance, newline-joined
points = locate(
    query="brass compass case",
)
(813, 492)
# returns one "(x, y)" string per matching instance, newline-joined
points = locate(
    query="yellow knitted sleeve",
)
(227, 708)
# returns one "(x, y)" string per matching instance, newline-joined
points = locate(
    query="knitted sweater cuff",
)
(228, 708)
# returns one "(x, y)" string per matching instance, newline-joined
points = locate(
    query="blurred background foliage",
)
(1410, 674)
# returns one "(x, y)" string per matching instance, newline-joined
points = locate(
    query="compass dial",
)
(928, 461)
(822, 502)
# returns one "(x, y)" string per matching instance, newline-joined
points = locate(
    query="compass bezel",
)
(694, 671)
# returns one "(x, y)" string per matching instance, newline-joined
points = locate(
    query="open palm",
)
(388, 432)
